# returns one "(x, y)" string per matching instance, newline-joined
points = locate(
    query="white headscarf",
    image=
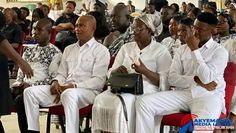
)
(153, 22)
(103, 1)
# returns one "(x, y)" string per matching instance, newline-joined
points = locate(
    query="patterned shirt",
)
(171, 44)
(222, 40)
(44, 61)
(120, 41)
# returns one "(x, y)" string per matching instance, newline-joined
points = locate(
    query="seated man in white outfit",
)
(197, 74)
(147, 57)
(81, 76)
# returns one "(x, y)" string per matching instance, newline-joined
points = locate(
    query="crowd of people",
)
(181, 53)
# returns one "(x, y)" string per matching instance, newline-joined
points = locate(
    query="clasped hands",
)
(57, 89)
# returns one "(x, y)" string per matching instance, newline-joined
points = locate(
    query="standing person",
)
(80, 77)
(197, 73)
(6, 49)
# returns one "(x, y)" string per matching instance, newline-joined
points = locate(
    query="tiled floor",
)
(11, 125)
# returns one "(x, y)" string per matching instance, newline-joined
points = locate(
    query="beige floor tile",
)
(11, 125)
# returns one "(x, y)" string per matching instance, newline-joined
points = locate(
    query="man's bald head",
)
(85, 27)
(90, 19)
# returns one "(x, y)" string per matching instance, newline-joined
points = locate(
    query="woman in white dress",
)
(144, 56)
(172, 42)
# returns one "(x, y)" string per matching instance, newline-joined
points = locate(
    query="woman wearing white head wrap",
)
(232, 6)
(144, 56)
(153, 22)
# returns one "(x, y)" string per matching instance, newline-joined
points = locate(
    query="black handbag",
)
(126, 83)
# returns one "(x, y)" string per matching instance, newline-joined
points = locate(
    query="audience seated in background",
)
(55, 12)
(120, 29)
(44, 59)
(189, 7)
(45, 8)
(131, 8)
(224, 26)
(194, 13)
(184, 8)
(39, 4)
(196, 73)
(36, 15)
(166, 14)
(102, 29)
(80, 77)
(88, 5)
(24, 14)
(17, 19)
(150, 9)
(100, 6)
(11, 30)
(232, 13)
(14, 34)
(65, 26)
(175, 8)
(172, 42)
(154, 60)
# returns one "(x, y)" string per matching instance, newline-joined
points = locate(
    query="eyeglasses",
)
(137, 29)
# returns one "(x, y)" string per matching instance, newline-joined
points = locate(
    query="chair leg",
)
(81, 120)
(62, 124)
(87, 127)
(48, 123)
(162, 128)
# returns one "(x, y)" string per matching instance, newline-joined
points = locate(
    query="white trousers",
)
(72, 100)
(163, 103)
